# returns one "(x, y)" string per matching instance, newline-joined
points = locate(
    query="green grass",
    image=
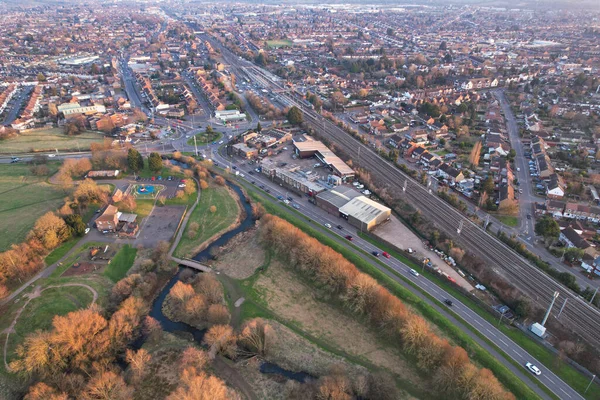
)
(279, 43)
(23, 199)
(120, 263)
(477, 353)
(39, 312)
(48, 140)
(203, 138)
(68, 262)
(508, 220)
(144, 208)
(567, 373)
(61, 250)
(210, 223)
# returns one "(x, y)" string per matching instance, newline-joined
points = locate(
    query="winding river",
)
(181, 327)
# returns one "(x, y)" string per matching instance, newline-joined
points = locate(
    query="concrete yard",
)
(395, 232)
(159, 225)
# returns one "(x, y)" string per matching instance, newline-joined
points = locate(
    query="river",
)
(198, 334)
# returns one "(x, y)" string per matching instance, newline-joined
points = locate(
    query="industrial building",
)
(360, 211)
(305, 146)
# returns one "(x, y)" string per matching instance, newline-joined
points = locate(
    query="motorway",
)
(576, 314)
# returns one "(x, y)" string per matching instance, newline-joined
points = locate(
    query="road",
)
(319, 217)
(17, 104)
(576, 314)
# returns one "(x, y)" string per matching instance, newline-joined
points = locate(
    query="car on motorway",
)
(51, 155)
(375, 253)
(340, 227)
(528, 216)
(386, 254)
(350, 238)
(533, 368)
(413, 272)
(448, 302)
(328, 226)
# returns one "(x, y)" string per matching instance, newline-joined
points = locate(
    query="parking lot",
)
(160, 225)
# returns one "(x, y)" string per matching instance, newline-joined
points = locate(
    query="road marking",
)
(477, 322)
(562, 390)
(550, 379)
(490, 332)
(506, 344)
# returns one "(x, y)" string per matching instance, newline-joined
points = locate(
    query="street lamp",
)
(590, 384)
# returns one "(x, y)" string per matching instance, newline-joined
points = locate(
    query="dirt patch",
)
(296, 302)
(241, 257)
(398, 234)
(83, 268)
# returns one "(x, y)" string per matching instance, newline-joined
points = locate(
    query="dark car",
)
(268, 191)
(448, 302)
(252, 182)
(251, 172)
(290, 198)
(528, 216)
(375, 253)
(234, 167)
(349, 237)
(262, 186)
(340, 227)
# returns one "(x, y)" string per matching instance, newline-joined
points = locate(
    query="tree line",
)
(452, 371)
(24, 259)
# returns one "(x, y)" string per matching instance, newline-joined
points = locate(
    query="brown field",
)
(295, 301)
(241, 257)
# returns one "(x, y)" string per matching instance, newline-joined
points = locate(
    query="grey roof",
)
(364, 209)
(124, 217)
(339, 196)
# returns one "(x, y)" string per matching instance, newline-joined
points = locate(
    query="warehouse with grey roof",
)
(360, 211)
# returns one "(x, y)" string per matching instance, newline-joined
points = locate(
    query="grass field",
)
(477, 353)
(143, 209)
(279, 43)
(61, 250)
(508, 220)
(49, 140)
(39, 312)
(121, 263)
(209, 223)
(205, 138)
(23, 199)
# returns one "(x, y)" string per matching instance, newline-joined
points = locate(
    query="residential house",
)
(109, 220)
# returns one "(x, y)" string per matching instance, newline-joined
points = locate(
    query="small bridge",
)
(192, 264)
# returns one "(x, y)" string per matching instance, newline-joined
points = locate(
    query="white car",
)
(182, 185)
(87, 230)
(328, 226)
(413, 272)
(51, 155)
(533, 368)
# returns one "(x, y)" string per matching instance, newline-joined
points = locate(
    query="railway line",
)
(570, 309)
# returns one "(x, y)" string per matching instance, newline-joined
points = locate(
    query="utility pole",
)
(594, 295)
(556, 294)
(561, 308)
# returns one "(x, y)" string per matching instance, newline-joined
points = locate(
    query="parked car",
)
(533, 368)
(182, 185)
(279, 197)
(296, 206)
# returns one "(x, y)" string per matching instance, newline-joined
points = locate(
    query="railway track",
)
(577, 315)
